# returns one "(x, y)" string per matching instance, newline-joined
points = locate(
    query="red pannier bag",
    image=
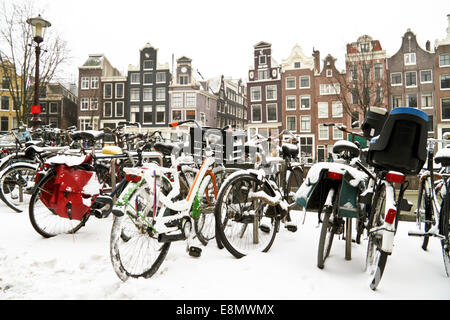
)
(71, 193)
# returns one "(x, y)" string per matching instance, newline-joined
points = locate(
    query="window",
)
(177, 99)
(297, 65)
(5, 83)
(44, 107)
(291, 124)
(191, 99)
(135, 95)
(256, 113)
(430, 123)
(190, 114)
(148, 114)
(305, 124)
(354, 95)
(135, 78)
(203, 118)
(322, 109)
(94, 82)
(160, 94)
(272, 112)
(336, 107)
(410, 58)
(412, 100)
(396, 79)
(323, 132)
(85, 124)
(119, 109)
(427, 100)
(445, 81)
(410, 79)
(425, 76)
(353, 69)
(262, 60)
(160, 77)
(94, 104)
(107, 91)
(107, 109)
(271, 93)
(119, 90)
(337, 134)
(255, 94)
(327, 89)
(290, 83)
(306, 149)
(4, 124)
(263, 74)
(291, 103)
(147, 94)
(304, 82)
(379, 98)
(329, 73)
(160, 114)
(397, 101)
(148, 64)
(445, 108)
(135, 114)
(305, 102)
(84, 104)
(378, 71)
(148, 78)
(84, 83)
(364, 47)
(54, 107)
(176, 115)
(5, 103)
(444, 60)
(365, 71)
(183, 79)
(321, 153)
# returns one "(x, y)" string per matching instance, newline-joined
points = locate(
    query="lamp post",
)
(39, 26)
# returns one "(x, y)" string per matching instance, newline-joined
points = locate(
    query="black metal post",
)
(36, 121)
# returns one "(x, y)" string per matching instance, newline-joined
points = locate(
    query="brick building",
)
(58, 106)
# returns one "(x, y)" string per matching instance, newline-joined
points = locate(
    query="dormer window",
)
(364, 47)
(297, 65)
(329, 73)
(410, 59)
(262, 60)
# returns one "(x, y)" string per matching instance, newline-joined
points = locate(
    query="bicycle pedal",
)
(195, 252)
(291, 228)
(264, 228)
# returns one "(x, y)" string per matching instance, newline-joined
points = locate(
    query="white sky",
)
(219, 35)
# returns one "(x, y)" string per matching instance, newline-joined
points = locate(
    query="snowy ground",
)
(78, 267)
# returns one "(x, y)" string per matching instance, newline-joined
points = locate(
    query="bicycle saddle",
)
(167, 148)
(344, 145)
(289, 150)
(93, 135)
(443, 157)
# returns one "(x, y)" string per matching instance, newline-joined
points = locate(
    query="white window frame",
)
(329, 89)
(440, 82)
(190, 99)
(321, 106)
(275, 93)
(94, 80)
(407, 59)
(267, 112)
(430, 94)
(300, 102)
(84, 101)
(195, 113)
(300, 82)
(417, 99)
(104, 109)
(301, 123)
(138, 94)
(143, 64)
(158, 109)
(335, 114)
(319, 132)
(329, 73)
(401, 79)
(159, 73)
(104, 91)
(181, 114)
(91, 104)
(252, 93)
(144, 108)
(443, 65)
(440, 109)
(144, 90)
(83, 82)
(123, 91)
(295, 102)
(143, 79)
(431, 72)
(260, 112)
(123, 109)
(265, 59)
(290, 79)
(135, 74)
(337, 134)
(177, 99)
(413, 86)
(295, 123)
(50, 107)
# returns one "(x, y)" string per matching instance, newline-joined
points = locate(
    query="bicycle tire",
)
(294, 182)
(444, 230)
(134, 251)
(238, 220)
(16, 179)
(326, 238)
(42, 219)
(426, 200)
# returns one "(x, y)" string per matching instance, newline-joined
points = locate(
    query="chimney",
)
(316, 55)
(427, 45)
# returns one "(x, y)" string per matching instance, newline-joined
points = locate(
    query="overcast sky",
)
(219, 35)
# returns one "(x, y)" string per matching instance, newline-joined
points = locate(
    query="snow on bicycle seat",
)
(443, 157)
(289, 149)
(167, 148)
(68, 160)
(88, 135)
(112, 150)
(344, 145)
(33, 143)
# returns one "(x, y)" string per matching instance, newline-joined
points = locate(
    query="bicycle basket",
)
(71, 193)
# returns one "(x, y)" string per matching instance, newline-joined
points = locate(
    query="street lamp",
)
(38, 26)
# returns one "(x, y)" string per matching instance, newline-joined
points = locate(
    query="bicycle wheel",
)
(444, 230)
(375, 258)
(16, 184)
(44, 221)
(205, 225)
(294, 181)
(245, 226)
(326, 237)
(134, 248)
(427, 218)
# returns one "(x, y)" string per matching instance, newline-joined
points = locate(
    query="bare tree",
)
(17, 57)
